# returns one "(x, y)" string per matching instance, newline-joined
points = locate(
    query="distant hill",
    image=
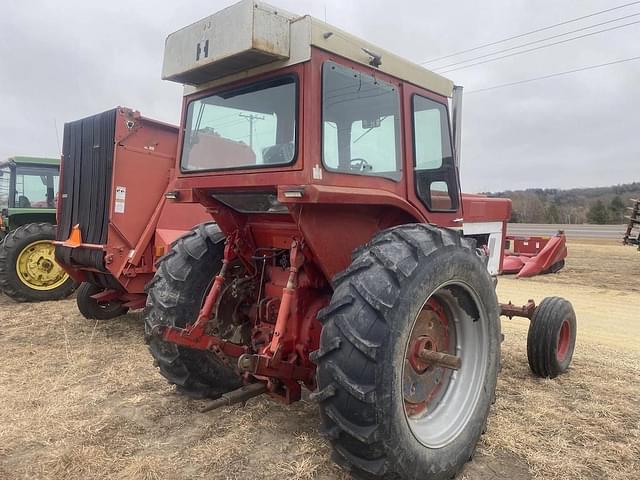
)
(599, 205)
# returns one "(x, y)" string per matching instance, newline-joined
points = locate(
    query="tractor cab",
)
(291, 121)
(28, 189)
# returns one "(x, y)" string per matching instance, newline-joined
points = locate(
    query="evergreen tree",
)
(598, 213)
(616, 210)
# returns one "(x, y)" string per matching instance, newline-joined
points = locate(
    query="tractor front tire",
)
(28, 270)
(552, 337)
(385, 416)
(175, 297)
(91, 309)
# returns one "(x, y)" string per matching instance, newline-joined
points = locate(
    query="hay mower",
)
(28, 270)
(529, 256)
(339, 254)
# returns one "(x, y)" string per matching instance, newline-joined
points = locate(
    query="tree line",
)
(601, 205)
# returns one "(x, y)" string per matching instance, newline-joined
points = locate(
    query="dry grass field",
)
(81, 400)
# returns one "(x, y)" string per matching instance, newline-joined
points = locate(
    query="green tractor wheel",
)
(28, 269)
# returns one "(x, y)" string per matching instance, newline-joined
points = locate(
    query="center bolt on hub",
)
(425, 355)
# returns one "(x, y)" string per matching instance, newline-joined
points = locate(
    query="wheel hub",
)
(563, 341)
(419, 364)
(423, 380)
(446, 357)
(37, 269)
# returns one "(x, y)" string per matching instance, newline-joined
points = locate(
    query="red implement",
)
(531, 256)
(114, 220)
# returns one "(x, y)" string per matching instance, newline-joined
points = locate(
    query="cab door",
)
(433, 179)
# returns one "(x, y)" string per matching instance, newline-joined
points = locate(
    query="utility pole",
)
(251, 118)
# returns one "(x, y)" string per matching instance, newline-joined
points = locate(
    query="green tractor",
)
(28, 270)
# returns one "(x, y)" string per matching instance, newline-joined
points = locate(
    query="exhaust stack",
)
(456, 120)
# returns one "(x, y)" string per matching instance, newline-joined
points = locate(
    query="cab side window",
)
(361, 123)
(436, 181)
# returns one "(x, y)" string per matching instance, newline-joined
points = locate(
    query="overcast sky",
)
(61, 60)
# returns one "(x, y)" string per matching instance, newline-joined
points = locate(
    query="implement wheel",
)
(91, 309)
(175, 296)
(552, 337)
(389, 409)
(28, 269)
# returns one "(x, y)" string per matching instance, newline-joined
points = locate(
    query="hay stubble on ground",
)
(81, 400)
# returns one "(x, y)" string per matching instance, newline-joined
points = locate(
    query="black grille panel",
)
(85, 192)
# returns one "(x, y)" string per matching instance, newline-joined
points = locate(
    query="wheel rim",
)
(563, 341)
(438, 401)
(37, 268)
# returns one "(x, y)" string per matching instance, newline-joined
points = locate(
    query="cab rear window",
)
(252, 126)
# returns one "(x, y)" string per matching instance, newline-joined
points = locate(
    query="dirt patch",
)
(501, 464)
(81, 400)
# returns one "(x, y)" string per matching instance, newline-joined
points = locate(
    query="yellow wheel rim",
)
(37, 268)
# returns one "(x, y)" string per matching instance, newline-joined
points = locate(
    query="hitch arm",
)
(194, 336)
(510, 310)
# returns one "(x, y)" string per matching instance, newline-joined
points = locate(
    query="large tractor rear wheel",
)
(175, 296)
(28, 268)
(387, 411)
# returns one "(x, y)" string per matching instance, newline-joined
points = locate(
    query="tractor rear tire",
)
(28, 271)
(175, 296)
(552, 337)
(91, 309)
(369, 411)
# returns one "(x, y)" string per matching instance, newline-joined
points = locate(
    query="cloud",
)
(60, 61)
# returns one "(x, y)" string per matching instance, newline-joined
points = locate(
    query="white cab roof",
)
(252, 37)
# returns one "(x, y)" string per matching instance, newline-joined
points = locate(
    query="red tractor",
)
(340, 255)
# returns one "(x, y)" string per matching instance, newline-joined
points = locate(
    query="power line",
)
(251, 118)
(538, 48)
(582, 69)
(529, 33)
(536, 41)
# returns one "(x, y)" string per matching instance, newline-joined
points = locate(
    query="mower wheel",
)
(28, 269)
(91, 309)
(175, 296)
(552, 337)
(556, 267)
(409, 355)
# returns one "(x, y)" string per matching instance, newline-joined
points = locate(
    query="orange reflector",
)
(76, 236)
(158, 251)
